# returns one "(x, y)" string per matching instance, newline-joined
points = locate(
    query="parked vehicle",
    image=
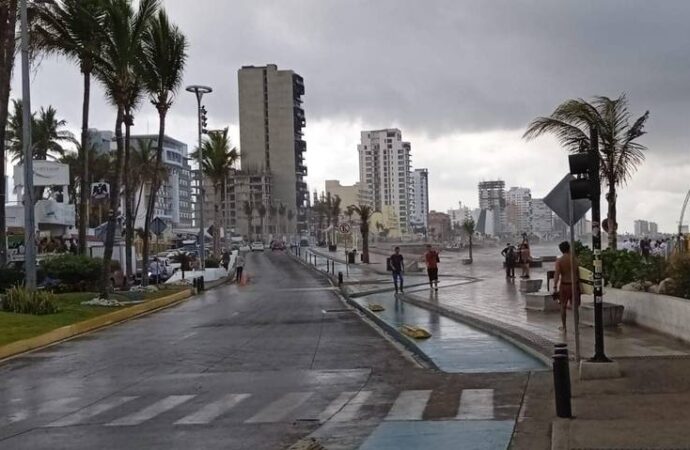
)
(257, 246)
(278, 245)
(244, 247)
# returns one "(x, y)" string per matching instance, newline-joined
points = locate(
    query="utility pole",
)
(599, 355)
(29, 219)
(199, 91)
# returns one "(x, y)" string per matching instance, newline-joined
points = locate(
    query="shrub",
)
(75, 271)
(21, 300)
(212, 263)
(679, 271)
(621, 267)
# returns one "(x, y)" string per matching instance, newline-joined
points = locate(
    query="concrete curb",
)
(86, 326)
(560, 434)
(537, 346)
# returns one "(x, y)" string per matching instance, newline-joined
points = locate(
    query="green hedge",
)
(75, 272)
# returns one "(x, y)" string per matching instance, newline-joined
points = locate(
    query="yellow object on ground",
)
(375, 307)
(586, 281)
(415, 332)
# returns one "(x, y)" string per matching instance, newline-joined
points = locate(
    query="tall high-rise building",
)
(458, 216)
(641, 228)
(271, 139)
(384, 172)
(419, 217)
(492, 198)
(519, 210)
(542, 219)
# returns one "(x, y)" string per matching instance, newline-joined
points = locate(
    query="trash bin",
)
(351, 258)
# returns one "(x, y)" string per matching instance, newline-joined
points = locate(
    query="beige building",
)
(349, 195)
(271, 139)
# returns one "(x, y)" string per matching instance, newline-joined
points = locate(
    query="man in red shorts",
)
(432, 260)
(563, 280)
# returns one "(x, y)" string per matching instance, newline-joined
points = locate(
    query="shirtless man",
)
(563, 281)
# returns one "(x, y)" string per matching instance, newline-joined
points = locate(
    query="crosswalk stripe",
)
(336, 405)
(409, 405)
(476, 404)
(280, 408)
(213, 410)
(57, 405)
(349, 412)
(151, 411)
(91, 411)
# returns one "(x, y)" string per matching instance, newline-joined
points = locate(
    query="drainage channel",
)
(453, 346)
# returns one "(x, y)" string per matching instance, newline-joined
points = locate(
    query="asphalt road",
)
(250, 367)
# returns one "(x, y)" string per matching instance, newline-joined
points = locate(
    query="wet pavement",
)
(251, 367)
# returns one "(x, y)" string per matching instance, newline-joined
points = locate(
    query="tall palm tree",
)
(117, 70)
(48, 133)
(365, 212)
(162, 63)
(8, 23)
(290, 216)
(142, 173)
(248, 209)
(273, 216)
(261, 211)
(282, 210)
(619, 153)
(73, 28)
(335, 214)
(468, 227)
(217, 161)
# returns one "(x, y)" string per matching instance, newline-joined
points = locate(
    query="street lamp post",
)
(29, 219)
(199, 91)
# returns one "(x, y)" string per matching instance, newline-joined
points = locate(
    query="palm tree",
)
(162, 63)
(73, 28)
(290, 216)
(261, 210)
(282, 210)
(132, 104)
(248, 208)
(217, 161)
(116, 70)
(8, 23)
(468, 227)
(335, 214)
(619, 154)
(365, 212)
(47, 134)
(142, 173)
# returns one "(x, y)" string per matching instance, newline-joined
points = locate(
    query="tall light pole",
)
(29, 219)
(199, 91)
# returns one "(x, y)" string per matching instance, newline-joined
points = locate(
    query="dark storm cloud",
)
(441, 66)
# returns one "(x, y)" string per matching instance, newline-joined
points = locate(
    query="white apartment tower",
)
(420, 199)
(519, 210)
(384, 172)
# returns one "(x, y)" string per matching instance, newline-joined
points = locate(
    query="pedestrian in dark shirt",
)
(510, 257)
(397, 267)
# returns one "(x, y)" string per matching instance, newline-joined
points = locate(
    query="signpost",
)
(569, 211)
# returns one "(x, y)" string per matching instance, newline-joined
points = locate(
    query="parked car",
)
(244, 247)
(278, 245)
(257, 246)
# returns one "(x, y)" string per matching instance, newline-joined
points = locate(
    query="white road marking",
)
(351, 409)
(280, 408)
(213, 410)
(57, 405)
(151, 411)
(409, 405)
(188, 335)
(476, 404)
(91, 411)
(18, 416)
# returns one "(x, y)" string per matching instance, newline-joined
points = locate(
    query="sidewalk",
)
(646, 408)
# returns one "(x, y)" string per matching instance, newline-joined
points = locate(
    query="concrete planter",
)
(528, 286)
(541, 301)
(612, 314)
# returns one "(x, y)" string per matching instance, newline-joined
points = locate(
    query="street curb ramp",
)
(86, 326)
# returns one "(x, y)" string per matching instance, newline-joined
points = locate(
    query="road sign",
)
(158, 226)
(344, 228)
(558, 200)
(100, 190)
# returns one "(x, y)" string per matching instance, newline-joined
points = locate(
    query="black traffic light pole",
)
(599, 355)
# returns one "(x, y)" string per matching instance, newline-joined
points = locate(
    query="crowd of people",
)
(653, 247)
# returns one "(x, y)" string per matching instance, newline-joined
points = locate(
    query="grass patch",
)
(15, 327)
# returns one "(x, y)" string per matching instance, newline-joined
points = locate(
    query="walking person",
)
(155, 271)
(225, 259)
(432, 259)
(239, 267)
(509, 254)
(397, 267)
(563, 281)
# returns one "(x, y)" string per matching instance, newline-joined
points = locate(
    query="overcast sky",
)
(461, 79)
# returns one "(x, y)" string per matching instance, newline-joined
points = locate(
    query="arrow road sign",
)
(558, 200)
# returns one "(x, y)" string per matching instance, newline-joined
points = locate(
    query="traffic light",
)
(581, 168)
(204, 120)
